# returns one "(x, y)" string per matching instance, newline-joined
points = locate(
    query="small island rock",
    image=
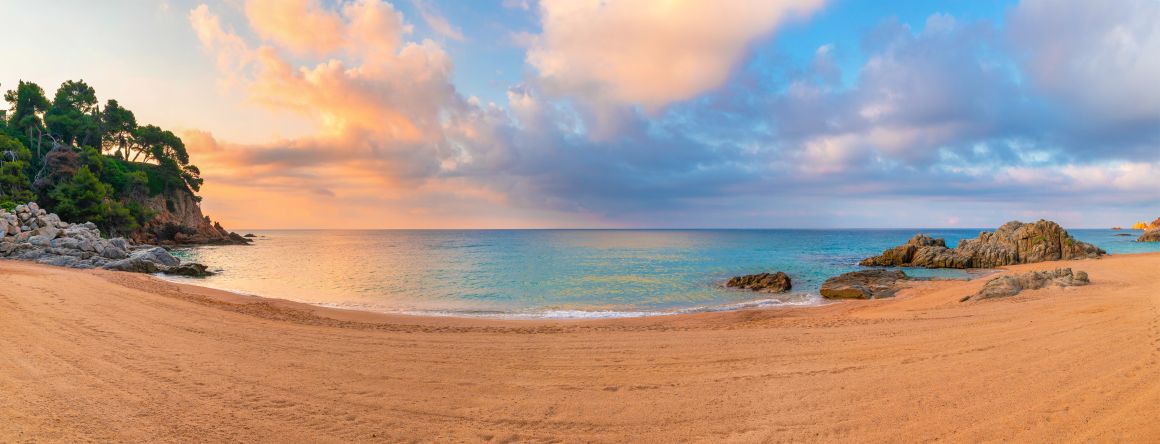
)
(764, 282)
(1013, 243)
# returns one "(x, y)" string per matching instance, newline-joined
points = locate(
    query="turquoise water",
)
(556, 273)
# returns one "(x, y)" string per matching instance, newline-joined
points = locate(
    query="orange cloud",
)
(302, 26)
(651, 52)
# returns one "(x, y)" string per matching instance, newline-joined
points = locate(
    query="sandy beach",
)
(109, 356)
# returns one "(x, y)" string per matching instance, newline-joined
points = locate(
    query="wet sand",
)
(105, 356)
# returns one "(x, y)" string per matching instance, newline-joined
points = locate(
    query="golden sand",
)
(105, 356)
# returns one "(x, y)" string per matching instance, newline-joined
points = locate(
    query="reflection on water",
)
(554, 272)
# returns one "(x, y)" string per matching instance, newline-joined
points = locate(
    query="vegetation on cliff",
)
(86, 161)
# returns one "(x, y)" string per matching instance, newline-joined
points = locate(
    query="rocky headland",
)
(32, 234)
(1011, 285)
(1013, 243)
(1151, 232)
(178, 220)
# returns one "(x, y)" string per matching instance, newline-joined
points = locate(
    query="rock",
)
(112, 251)
(1011, 285)
(49, 231)
(1151, 233)
(866, 284)
(178, 220)
(1013, 243)
(764, 282)
(41, 240)
(32, 234)
(249, 235)
(155, 254)
(189, 269)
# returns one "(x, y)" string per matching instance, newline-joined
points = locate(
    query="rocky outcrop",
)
(178, 221)
(1011, 285)
(32, 234)
(1139, 226)
(764, 282)
(866, 284)
(1151, 233)
(1013, 243)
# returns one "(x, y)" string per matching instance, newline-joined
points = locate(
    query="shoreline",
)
(546, 314)
(109, 356)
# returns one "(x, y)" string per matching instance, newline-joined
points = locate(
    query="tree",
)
(73, 114)
(28, 103)
(192, 177)
(85, 198)
(117, 127)
(14, 183)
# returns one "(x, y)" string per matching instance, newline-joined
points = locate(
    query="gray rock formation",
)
(31, 234)
(764, 282)
(1013, 243)
(866, 284)
(1011, 285)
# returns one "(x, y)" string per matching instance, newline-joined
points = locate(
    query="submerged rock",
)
(866, 284)
(1013, 243)
(764, 282)
(1011, 285)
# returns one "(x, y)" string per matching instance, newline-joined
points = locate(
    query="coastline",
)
(100, 355)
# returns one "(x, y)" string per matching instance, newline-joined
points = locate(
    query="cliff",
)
(178, 220)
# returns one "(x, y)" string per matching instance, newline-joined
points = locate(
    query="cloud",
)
(942, 118)
(1099, 75)
(231, 52)
(1104, 63)
(437, 21)
(303, 26)
(650, 53)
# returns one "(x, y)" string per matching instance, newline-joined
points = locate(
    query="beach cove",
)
(101, 355)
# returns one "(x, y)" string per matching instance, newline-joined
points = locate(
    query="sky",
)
(618, 113)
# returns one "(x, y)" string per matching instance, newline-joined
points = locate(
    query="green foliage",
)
(118, 125)
(73, 115)
(85, 198)
(27, 102)
(109, 162)
(9, 206)
(14, 179)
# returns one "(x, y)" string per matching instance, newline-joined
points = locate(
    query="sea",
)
(540, 274)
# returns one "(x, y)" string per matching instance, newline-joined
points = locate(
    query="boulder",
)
(866, 284)
(764, 282)
(1013, 243)
(189, 269)
(157, 255)
(1011, 285)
